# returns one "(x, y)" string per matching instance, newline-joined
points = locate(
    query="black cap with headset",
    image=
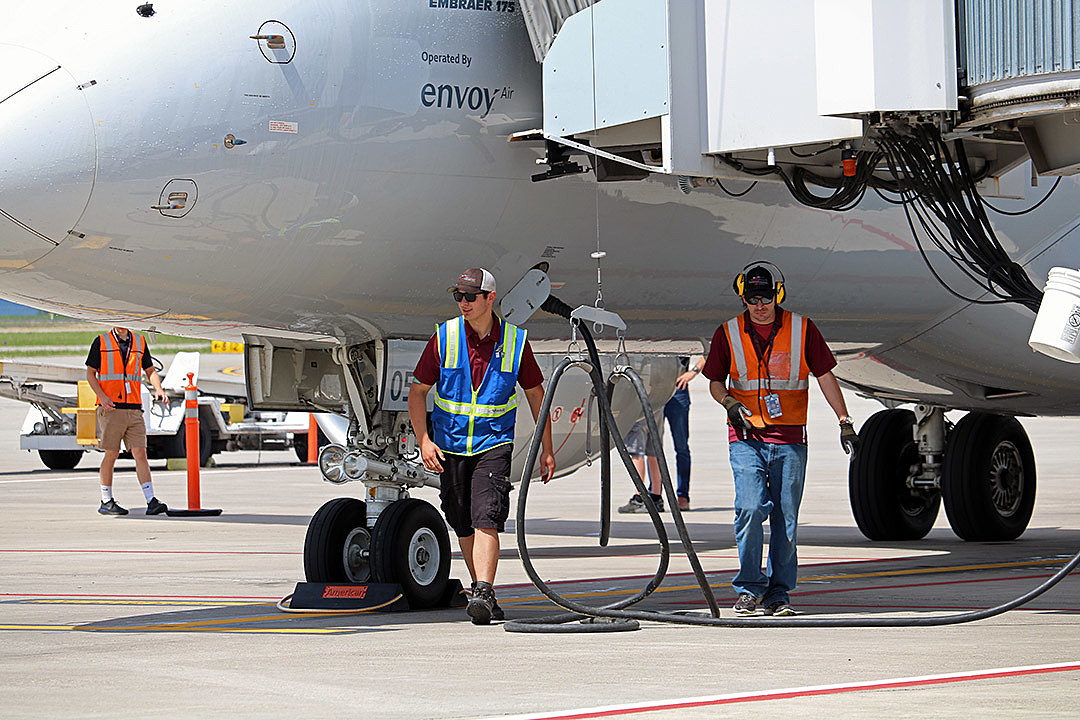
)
(755, 280)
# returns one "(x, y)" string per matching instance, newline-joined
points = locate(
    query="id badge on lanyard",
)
(772, 404)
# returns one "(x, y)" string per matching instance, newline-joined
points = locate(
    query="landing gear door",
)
(401, 358)
(285, 374)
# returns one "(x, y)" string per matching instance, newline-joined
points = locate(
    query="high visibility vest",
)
(787, 375)
(121, 381)
(468, 421)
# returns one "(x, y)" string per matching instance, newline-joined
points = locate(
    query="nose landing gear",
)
(408, 545)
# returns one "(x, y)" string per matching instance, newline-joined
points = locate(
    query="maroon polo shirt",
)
(819, 359)
(480, 351)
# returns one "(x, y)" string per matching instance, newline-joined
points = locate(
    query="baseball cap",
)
(474, 280)
(759, 283)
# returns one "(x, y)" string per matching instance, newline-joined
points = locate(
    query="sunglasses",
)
(758, 300)
(468, 297)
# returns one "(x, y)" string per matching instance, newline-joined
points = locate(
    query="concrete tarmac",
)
(164, 617)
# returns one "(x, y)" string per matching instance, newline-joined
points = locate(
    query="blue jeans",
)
(768, 484)
(677, 412)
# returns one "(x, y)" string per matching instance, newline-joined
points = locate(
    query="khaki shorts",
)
(116, 425)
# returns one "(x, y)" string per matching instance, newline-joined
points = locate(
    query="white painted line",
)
(788, 693)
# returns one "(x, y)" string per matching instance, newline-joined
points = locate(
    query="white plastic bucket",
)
(1057, 326)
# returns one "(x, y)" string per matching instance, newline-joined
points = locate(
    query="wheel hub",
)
(424, 556)
(1006, 478)
(357, 555)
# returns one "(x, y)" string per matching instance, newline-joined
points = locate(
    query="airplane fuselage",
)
(374, 166)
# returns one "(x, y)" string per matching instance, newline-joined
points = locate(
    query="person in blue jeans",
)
(759, 366)
(677, 412)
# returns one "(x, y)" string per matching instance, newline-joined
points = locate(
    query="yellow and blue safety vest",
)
(468, 421)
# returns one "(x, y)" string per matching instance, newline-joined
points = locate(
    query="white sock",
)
(106, 493)
(148, 490)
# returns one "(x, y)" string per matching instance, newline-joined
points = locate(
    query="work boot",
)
(496, 611)
(684, 503)
(111, 508)
(481, 604)
(155, 507)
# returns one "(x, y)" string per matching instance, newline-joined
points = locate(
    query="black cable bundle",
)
(936, 185)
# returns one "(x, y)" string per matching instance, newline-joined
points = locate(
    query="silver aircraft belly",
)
(374, 166)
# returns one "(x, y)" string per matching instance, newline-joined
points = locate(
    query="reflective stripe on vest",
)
(120, 380)
(749, 382)
(468, 420)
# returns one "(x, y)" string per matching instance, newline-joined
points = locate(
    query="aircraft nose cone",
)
(47, 154)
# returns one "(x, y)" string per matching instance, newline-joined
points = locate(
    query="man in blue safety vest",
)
(474, 362)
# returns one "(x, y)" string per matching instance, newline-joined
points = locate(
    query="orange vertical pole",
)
(312, 439)
(191, 423)
(191, 430)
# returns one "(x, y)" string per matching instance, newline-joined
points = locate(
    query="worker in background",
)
(677, 412)
(114, 369)
(637, 447)
(474, 362)
(759, 364)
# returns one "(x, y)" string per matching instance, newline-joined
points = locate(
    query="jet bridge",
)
(707, 88)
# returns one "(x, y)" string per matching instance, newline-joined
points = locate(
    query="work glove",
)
(738, 414)
(849, 439)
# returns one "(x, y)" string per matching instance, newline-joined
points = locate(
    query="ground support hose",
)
(624, 619)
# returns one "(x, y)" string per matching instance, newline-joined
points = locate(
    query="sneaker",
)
(481, 604)
(684, 503)
(779, 609)
(747, 604)
(111, 508)
(155, 507)
(636, 504)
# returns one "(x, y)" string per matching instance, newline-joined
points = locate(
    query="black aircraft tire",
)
(410, 546)
(989, 478)
(60, 459)
(883, 505)
(324, 543)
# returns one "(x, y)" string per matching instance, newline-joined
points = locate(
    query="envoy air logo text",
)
(474, 98)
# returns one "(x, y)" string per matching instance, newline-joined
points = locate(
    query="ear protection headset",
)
(739, 284)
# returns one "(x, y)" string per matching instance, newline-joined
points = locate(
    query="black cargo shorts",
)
(475, 490)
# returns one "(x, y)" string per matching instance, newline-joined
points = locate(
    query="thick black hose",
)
(623, 619)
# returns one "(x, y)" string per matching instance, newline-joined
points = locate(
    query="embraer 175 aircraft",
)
(309, 177)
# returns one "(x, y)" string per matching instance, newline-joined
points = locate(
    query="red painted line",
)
(811, 691)
(149, 552)
(925, 584)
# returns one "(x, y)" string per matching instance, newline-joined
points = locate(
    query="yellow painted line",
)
(38, 627)
(929, 571)
(812, 578)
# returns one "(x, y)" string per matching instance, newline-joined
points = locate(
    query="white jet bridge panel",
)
(609, 68)
(885, 56)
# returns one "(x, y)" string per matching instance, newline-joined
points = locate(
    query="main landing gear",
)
(983, 469)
